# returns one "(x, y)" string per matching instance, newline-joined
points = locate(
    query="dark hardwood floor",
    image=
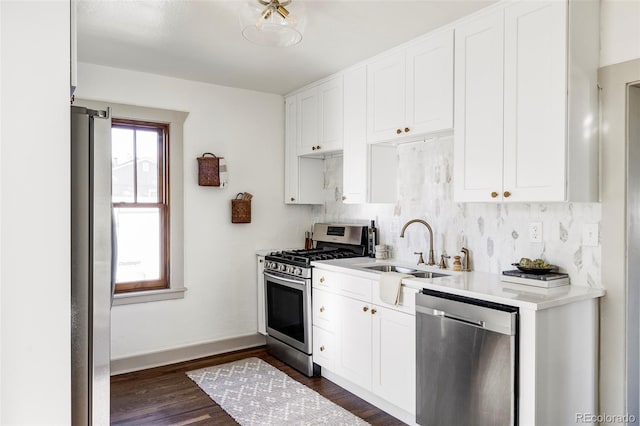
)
(166, 396)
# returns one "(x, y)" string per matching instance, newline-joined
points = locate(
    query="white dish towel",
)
(390, 285)
(223, 172)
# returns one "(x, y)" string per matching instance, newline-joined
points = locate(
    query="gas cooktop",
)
(305, 257)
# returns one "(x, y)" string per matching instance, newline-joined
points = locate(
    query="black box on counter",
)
(549, 280)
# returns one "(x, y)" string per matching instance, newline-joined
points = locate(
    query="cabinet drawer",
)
(326, 280)
(324, 309)
(342, 284)
(358, 288)
(323, 348)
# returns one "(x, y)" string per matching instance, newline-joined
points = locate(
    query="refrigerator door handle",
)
(114, 254)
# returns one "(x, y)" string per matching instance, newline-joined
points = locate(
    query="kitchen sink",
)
(404, 270)
(427, 274)
(391, 268)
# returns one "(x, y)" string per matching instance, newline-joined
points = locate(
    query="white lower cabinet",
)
(366, 344)
(354, 341)
(394, 357)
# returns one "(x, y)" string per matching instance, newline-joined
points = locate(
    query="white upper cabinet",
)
(429, 100)
(479, 108)
(290, 152)
(355, 152)
(525, 114)
(330, 108)
(320, 118)
(307, 118)
(368, 171)
(535, 101)
(410, 91)
(303, 177)
(386, 97)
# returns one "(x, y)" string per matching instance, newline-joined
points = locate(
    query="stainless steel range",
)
(287, 280)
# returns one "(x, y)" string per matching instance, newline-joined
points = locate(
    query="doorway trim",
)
(620, 306)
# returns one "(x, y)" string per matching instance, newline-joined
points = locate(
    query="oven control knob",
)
(282, 268)
(297, 271)
(290, 269)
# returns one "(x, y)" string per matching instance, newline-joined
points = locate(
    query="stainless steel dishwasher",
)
(466, 359)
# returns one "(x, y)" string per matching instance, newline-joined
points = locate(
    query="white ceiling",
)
(201, 40)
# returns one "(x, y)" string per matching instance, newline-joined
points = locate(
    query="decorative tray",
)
(535, 271)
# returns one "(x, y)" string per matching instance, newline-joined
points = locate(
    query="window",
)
(140, 198)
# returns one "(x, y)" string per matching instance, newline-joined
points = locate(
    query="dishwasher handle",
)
(443, 314)
(474, 316)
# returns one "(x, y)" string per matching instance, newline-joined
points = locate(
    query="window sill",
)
(148, 296)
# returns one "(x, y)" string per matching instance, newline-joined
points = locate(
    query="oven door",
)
(288, 310)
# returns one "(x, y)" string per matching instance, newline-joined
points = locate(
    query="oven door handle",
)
(299, 283)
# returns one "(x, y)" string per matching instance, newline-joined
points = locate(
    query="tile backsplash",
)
(496, 234)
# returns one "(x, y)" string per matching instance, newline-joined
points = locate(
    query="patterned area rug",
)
(254, 392)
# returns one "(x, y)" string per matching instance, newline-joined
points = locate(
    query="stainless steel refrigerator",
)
(91, 265)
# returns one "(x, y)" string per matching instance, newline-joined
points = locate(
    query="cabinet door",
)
(430, 84)
(311, 180)
(478, 137)
(394, 357)
(354, 345)
(303, 177)
(307, 121)
(330, 104)
(535, 99)
(290, 152)
(383, 174)
(262, 323)
(324, 348)
(386, 98)
(355, 155)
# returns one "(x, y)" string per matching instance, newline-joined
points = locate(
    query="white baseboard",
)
(184, 353)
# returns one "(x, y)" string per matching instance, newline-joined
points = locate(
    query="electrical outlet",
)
(535, 232)
(590, 237)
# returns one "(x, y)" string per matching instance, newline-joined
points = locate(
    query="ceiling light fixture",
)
(273, 23)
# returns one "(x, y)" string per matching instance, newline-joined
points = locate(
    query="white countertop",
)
(479, 285)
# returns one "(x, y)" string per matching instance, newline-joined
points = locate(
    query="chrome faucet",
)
(432, 260)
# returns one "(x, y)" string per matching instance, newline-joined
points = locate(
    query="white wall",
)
(619, 31)
(247, 128)
(34, 213)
